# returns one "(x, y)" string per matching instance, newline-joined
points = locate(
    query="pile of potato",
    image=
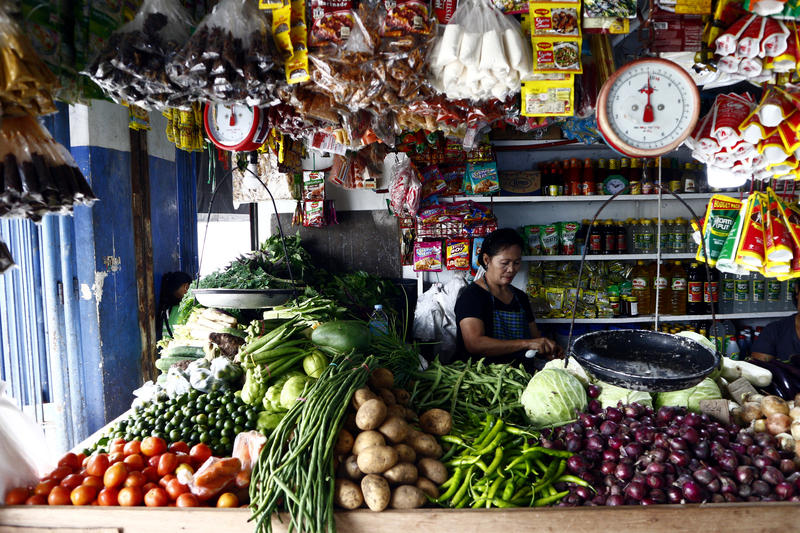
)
(381, 457)
(774, 415)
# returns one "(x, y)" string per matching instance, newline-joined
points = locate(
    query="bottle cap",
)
(378, 307)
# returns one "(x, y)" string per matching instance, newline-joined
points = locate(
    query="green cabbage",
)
(552, 398)
(611, 395)
(690, 398)
(292, 390)
(573, 367)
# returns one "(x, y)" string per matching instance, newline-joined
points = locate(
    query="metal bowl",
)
(242, 298)
(644, 360)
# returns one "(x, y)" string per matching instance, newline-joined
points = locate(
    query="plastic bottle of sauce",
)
(625, 171)
(711, 291)
(636, 176)
(678, 287)
(609, 237)
(573, 181)
(696, 277)
(622, 238)
(600, 176)
(642, 287)
(587, 186)
(648, 178)
(596, 239)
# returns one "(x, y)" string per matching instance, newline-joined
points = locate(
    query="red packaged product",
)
(331, 22)
(458, 254)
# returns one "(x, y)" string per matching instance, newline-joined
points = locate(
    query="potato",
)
(433, 470)
(396, 410)
(387, 397)
(760, 425)
(377, 459)
(376, 492)
(362, 395)
(402, 396)
(411, 415)
(794, 428)
(407, 497)
(381, 378)
(347, 494)
(436, 422)
(367, 439)
(426, 446)
(402, 474)
(405, 453)
(350, 469)
(778, 423)
(371, 414)
(751, 411)
(412, 435)
(344, 443)
(394, 428)
(772, 405)
(428, 487)
(797, 399)
(794, 413)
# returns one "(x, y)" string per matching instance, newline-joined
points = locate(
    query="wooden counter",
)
(729, 518)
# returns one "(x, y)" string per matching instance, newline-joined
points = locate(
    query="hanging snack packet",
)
(408, 232)
(297, 70)
(554, 19)
(721, 213)
(566, 237)
(548, 235)
(313, 186)
(314, 214)
(475, 253)
(533, 240)
(726, 262)
(751, 247)
(483, 178)
(777, 235)
(331, 22)
(432, 182)
(458, 257)
(454, 178)
(428, 256)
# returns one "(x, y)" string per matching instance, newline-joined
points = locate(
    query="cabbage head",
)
(611, 395)
(552, 398)
(690, 398)
(292, 390)
(573, 367)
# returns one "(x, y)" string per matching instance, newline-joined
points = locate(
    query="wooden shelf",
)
(664, 318)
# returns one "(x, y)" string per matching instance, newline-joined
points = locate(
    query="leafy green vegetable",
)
(690, 398)
(611, 395)
(552, 398)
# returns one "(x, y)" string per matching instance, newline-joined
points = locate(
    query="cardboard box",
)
(521, 183)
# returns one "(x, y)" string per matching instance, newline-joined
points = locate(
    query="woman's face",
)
(182, 290)
(504, 265)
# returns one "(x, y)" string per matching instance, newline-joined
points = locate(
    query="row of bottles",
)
(571, 177)
(694, 291)
(635, 236)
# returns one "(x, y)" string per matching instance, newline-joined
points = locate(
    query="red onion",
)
(595, 407)
(727, 485)
(745, 490)
(623, 471)
(744, 438)
(614, 414)
(610, 455)
(595, 443)
(764, 440)
(760, 461)
(633, 410)
(575, 428)
(745, 474)
(715, 486)
(659, 455)
(655, 468)
(692, 419)
(704, 476)
(787, 466)
(574, 444)
(633, 449)
(614, 500)
(674, 495)
(583, 492)
(665, 415)
(608, 428)
(635, 491)
(728, 461)
(588, 476)
(673, 431)
(761, 488)
(679, 458)
(655, 481)
(693, 492)
(593, 391)
(658, 496)
(615, 442)
(599, 500)
(739, 449)
(690, 435)
(772, 475)
(701, 450)
(577, 464)
(644, 434)
(608, 467)
(587, 420)
(772, 454)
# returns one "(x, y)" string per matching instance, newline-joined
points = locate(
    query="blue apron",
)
(509, 325)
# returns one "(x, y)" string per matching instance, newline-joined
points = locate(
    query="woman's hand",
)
(544, 346)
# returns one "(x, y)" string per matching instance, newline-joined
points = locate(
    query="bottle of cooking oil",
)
(642, 287)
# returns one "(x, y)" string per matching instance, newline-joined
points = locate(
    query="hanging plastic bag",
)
(131, 66)
(721, 213)
(751, 247)
(727, 257)
(23, 448)
(449, 330)
(231, 57)
(177, 382)
(428, 315)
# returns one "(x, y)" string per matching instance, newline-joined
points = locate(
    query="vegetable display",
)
(691, 397)
(552, 398)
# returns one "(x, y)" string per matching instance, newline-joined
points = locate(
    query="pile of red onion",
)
(633, 455)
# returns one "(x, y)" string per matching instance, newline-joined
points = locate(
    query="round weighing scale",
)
(647, 108)
(235, 128)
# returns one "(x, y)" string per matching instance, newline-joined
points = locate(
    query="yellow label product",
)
(557, 54)
(552, 95)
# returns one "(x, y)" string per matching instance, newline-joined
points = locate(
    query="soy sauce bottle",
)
(696, 278)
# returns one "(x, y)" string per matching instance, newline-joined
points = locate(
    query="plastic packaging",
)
(247, 447)
(26, 457)
(131, 67)
(214, 476)
(379, 321)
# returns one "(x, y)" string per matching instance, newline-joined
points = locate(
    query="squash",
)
(342, 335)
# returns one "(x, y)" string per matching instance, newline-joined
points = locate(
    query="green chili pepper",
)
(493, 489)
(494, 443)
(489, 437)
(508, 490)
(454, 439)
(550, 499)
(549, 451)
(503, 504)
(461, 494)
(498, 456)
(455, 484)
(575, 479)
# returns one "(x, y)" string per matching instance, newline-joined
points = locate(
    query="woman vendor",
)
(780, 339)
(494, 319)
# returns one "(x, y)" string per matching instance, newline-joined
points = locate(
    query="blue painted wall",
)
(164, 212)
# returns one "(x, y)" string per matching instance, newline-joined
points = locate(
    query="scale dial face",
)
(648, 108)
(231, 127)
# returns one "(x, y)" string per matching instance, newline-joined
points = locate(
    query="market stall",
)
(659, 225)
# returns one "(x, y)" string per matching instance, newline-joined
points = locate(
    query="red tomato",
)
(132, 447)
(117, 445)
(44, 487)
(36, 499)
(115, 475)
(135, 479)
(166, 479)
(108, 497)
(179, 447)
(115, 457)
(150, 485)
(59, 496)
(228, 499)
(156, 497)
(199, 453)
(187, 499)
(97, 464)
(93, 481)
(167, 463)
(175, 488)
(59, 473)
(151, 473)
(83, 495)
(82, 459)
(153, 446)
(71, 460)
(134, 462)
(17, 496)
(130, 496)
(153, 461)
(71, 481)
(183, 458)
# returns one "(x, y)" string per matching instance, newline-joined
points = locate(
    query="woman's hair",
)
(171, 282)
(497, 241)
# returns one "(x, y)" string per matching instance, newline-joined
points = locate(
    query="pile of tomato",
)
(133, 473)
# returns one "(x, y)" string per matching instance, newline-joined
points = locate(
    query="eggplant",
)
(783, 385)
